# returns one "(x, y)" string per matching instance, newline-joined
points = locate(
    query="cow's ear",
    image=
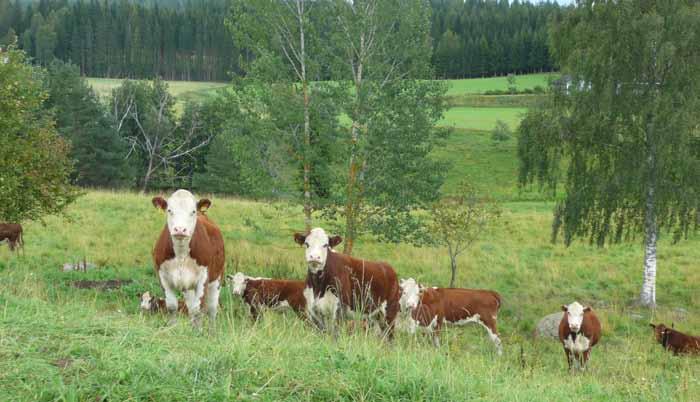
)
(563, 307)
(204, 203)
(299, 238)
(159, 202)
(334, 241)
(652, 325)
(587, 308)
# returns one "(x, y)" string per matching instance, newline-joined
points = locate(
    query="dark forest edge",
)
(178, 40)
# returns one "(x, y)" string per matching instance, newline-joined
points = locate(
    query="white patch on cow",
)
(574, 315)
(410, 294)
(146, 301)
(476, 318)
(581, 344)
(282, 305)
(317, 246)
(238, 281)
(185, 275)
(182, 219)
(322, 310)
(212, 299)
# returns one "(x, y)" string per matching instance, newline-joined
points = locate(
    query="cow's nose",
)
(179, 230)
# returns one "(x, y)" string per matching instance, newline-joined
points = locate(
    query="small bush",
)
(501, 132)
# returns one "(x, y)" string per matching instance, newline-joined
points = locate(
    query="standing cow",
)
(189, 256)
(579, 331)
(337, 282)
(430, 308)
(12, 232)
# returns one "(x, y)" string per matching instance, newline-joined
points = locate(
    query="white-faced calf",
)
(579, 331)
(676, 341)
(264, 292)
(430, 308)
(152, 304)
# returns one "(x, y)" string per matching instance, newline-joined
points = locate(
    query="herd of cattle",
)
(189, 258)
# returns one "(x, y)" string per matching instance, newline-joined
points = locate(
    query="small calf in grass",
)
(275, 293)
(152, 304)
(676, 341)
(579, 331)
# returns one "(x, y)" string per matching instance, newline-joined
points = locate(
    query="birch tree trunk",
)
(647, 296)
(307, 120)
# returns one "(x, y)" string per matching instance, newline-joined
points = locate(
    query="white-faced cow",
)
(676, 341)
(189, 256)
(337, 282)
(12, 232)
(265, 292)
(151, 304)
(429, 308)
(579, 331)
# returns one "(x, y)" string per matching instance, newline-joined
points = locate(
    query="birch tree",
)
(382, 49)
(275, 31)
(627, 127)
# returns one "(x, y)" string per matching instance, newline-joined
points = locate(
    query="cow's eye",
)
(306, 245)
(170, 211)
(194, 212)
(326, 245)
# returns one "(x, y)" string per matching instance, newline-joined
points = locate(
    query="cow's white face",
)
(574, 315)
(146, 301)
(317, 244)
(181, 212)
(410, 294)
(238, 283)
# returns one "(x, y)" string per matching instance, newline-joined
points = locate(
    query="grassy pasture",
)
(476, 118)
(62, 343)
(481, 85)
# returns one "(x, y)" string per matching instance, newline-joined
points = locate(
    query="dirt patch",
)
(101, 285)
(63, 363)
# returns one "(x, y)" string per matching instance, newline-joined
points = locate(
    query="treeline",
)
(475, 38)
(125, 39)
(188, 40)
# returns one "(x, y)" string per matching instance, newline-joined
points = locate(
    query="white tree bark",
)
(647, 296)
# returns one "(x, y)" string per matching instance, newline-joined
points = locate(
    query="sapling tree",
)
(457, 222)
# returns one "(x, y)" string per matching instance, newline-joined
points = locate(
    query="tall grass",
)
(62, 343)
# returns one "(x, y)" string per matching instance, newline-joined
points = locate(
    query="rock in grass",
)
(548, 327)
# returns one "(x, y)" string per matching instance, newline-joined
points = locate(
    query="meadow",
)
(62, 343)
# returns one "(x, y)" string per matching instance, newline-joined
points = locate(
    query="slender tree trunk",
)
(147, 176)
(453, 267)
(647, 296)
(307, 121)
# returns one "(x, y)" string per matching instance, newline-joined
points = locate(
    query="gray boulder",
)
(548, 327)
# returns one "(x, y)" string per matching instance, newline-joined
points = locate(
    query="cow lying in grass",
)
(430, 308)
(337, 283)
(151, 304)
(676, 341)
(264, 292)
(579, 331)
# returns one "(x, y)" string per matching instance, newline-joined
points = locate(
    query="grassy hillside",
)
(481, 85)
(182, 90)
(62, 343)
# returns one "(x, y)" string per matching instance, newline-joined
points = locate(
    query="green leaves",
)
(34, 164)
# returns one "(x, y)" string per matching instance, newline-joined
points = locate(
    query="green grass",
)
(61, 343)
(481, 85)
(473, 118)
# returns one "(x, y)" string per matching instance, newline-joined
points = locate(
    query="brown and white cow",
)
(274, 293)
(579, 331)
(429, 308)
(151, 304)
(189, 256)
(336, 283)
(12, 232)
(676, 341)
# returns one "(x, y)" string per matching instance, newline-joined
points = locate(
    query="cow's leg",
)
(568, 357)
(584, 359)
(170, 299)
(212, 300)
(193, 299)
(392, 311)
(435, 332)
(11, 244)
(490, 324)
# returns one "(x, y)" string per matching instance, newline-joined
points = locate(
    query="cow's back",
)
(379, 277)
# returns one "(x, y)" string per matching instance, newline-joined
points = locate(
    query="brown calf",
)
(336, 282)
(13, 233)
(189, 255)
(152, 304)
(676, 341)
(275, 293)
(579, 331)
(430, 308)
